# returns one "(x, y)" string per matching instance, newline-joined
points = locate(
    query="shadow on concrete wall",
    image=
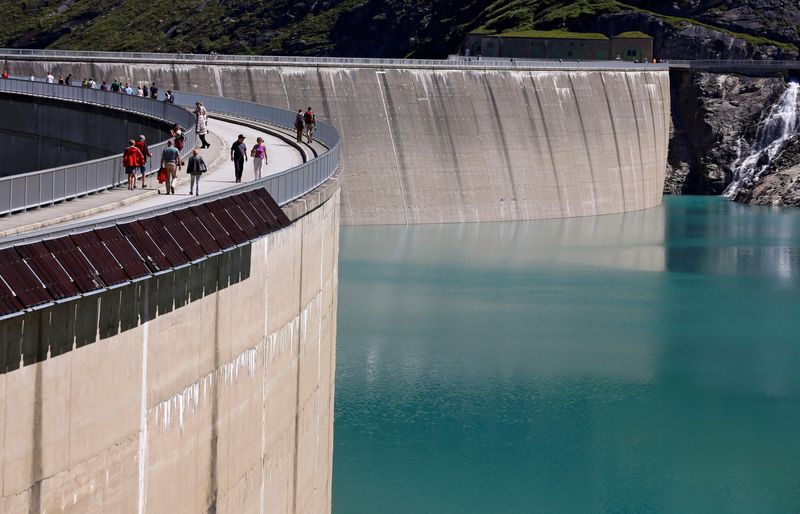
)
(55, 330)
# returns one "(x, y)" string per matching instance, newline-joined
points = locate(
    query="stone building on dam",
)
(178, 355)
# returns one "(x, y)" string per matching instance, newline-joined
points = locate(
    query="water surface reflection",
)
(637, 363)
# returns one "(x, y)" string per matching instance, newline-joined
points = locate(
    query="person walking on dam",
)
(154, 91)
(259, 155)
(238, 156)
(299, 123)
(171, 161)
(132, 159)
(141, 144)
(195, 167)
(201, 116)
(310, 120)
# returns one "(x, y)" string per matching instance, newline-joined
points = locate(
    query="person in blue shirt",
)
(171, 161)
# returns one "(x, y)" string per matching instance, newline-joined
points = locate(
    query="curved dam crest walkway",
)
(179, 358)
(281, 155)
(443, 143)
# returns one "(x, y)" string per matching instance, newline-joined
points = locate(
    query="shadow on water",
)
(685, 235)
(716, 236)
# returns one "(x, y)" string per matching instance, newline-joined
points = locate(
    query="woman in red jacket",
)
(131, 160)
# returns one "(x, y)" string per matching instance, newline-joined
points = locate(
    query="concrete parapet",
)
(39, 133)
(205, 389)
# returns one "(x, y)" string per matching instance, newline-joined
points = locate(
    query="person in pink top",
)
(259, 155)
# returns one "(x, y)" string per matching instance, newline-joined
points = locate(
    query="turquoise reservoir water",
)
(647, 362)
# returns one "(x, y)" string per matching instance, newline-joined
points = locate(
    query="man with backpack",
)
(154, 91)
(310, 120)
(141, 144)
(132, 159)
(195, 167)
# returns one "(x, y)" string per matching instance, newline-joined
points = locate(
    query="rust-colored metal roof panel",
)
(21, 280)
(187, 242)
(213, 226)
(124, 252)
(80, 270)
(101, 258)
(55, 279)
(145, 246)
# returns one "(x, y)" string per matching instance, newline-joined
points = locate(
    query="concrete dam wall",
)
(208, 388)
(40, 133)
(436, 145)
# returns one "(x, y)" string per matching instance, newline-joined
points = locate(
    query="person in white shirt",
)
(50, 77)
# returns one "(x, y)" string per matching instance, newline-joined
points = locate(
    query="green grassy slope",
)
(393, 28)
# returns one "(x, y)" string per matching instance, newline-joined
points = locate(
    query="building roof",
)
(634, 35)
(545, 34)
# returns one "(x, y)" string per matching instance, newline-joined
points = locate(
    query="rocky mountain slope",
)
(392, 28)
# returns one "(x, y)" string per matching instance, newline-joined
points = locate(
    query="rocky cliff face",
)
(677, 39)
(774, 19)
(779, 185)
(715, 122)
(736, 135)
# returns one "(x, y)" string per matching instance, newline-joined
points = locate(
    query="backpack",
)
(142, 146)
(309, 117)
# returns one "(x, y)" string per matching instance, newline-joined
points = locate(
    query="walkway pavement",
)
(281, 156)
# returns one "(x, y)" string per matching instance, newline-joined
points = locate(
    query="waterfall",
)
(780, 124)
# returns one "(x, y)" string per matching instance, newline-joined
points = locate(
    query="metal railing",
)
(732, 64)
(474, 63)
(290, 184)
(284, 186)
(35, 189)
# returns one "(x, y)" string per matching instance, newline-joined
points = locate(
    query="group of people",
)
(307, 121)
(135, 157)
(239, 156)
(117, 86)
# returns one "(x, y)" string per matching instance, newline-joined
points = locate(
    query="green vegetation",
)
(574, 10)
(678, 22)
(634, 34)
(416, 28)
